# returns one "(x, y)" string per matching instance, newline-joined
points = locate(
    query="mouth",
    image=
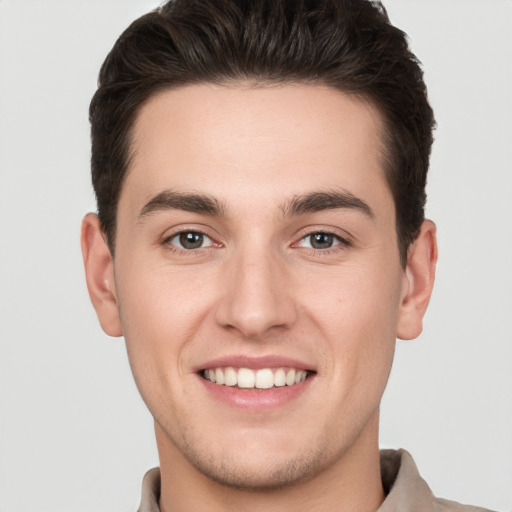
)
(257, 384)
(250, 379)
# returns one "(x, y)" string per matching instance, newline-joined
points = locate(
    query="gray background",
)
(74, 435)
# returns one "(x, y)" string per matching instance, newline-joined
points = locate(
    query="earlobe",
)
(99, 274)
(418, 282)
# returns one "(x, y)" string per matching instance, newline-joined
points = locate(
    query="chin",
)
(265, 474)
(254, 462)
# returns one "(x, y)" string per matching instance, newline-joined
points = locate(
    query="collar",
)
(405, 490)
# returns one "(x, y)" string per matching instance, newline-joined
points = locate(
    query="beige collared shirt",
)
(405, 489)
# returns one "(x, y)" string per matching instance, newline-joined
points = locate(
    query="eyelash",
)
(167, 241)
(341, 242)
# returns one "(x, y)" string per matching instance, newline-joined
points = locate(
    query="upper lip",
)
(253, 363)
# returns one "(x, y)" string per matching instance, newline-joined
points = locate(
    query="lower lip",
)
(256, 399)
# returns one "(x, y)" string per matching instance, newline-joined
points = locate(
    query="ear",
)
(99, 274)
(418, 282)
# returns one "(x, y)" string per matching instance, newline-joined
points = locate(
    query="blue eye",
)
(320, 241)
(190, 240)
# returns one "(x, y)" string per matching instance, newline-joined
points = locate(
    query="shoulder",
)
(443, 505)
(407, 492)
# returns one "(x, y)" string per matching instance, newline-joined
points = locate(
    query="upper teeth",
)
(264, 378)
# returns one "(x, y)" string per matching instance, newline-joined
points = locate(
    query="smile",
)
(264, 378)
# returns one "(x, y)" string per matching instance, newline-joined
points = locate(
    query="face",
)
(258, 278)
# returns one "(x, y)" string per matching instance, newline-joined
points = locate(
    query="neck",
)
(352, 482)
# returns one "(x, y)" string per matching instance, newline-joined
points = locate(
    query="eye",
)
(320, 241)
(190, 240)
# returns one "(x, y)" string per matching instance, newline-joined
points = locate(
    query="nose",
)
(257, 295)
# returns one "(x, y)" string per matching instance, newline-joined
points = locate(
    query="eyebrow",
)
(319, 201)
(299, 205)
(189, 202)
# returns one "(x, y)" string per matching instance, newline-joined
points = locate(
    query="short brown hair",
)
(349, 45)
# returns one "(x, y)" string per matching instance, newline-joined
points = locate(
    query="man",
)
(260, 243)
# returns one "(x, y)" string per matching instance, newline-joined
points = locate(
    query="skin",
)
(258, 288)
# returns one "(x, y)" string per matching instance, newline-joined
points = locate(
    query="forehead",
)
(246, 142)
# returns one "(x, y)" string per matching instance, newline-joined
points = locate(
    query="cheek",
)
(357, 315)
(161, 309)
